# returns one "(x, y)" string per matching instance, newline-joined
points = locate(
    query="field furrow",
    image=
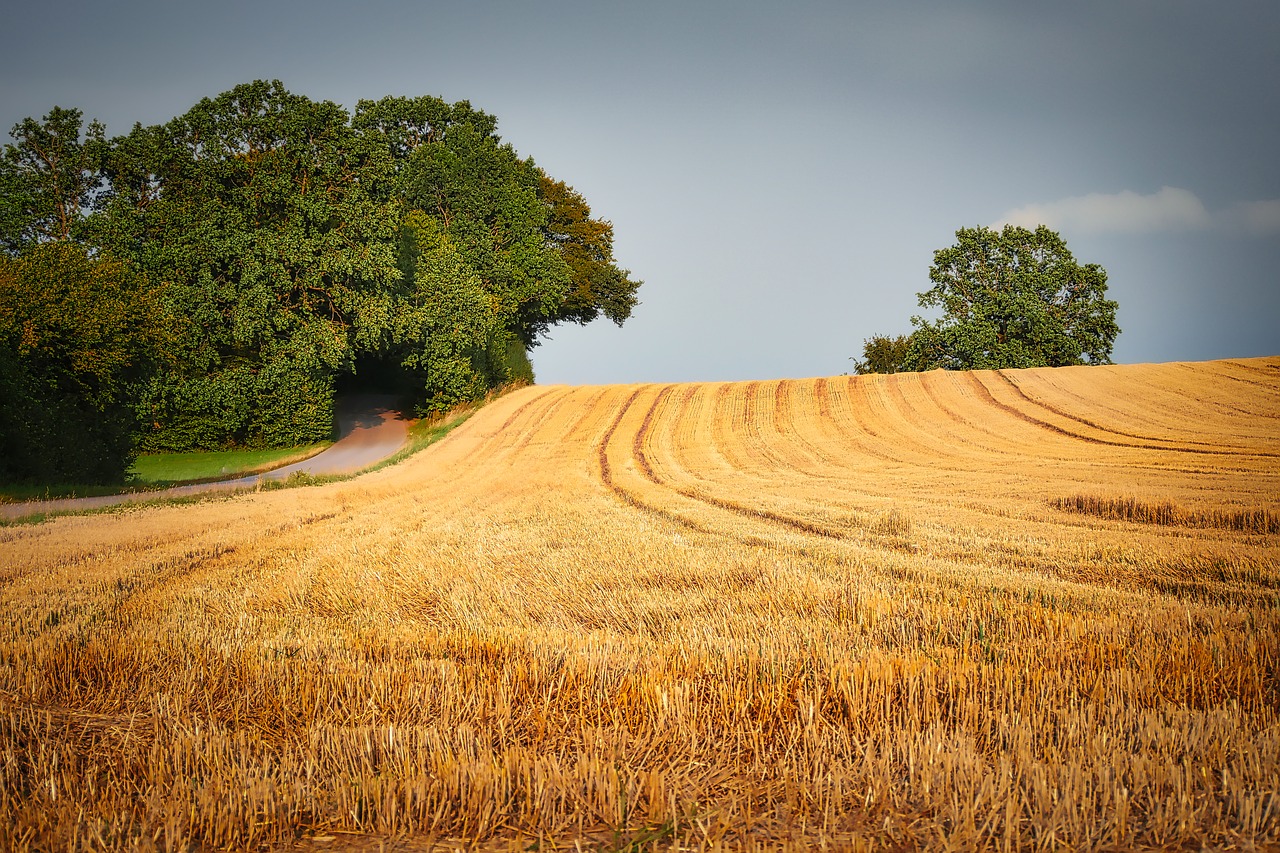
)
(1019, 610)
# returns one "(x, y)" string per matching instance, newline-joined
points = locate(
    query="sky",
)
(779, 175)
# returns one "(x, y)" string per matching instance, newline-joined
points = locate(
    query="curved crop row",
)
(1016, 609)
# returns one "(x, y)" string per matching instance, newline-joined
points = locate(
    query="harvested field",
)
(1016, 609)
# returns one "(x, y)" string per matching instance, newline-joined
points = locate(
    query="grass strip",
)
(421, 435)
(179, 468)
(154, 471)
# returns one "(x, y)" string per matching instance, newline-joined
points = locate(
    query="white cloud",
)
(1170, 209)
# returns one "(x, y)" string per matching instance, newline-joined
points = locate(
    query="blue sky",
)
(780, 177)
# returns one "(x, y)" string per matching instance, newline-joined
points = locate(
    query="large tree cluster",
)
(286, 243)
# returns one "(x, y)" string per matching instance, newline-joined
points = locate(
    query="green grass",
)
(21, 492)
(422, 434)
(158, 470)
(152, 468)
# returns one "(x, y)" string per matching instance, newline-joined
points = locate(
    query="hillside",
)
(1016, 608)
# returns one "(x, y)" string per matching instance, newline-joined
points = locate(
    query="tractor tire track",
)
(985, 391)
(1177, 443)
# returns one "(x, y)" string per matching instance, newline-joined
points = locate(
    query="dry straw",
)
(852, 612)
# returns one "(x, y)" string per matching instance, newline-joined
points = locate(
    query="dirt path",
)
(369, 430)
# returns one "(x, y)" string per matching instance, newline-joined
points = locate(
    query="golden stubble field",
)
(1019, 609)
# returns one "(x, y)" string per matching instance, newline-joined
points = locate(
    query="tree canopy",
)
(884, 354)
(48, 176)
(78, 337)
(1009, 298)
(291, 243)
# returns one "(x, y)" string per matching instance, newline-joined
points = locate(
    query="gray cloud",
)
(1170, 209)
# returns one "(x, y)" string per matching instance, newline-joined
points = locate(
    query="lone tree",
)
(1013, 298)
(1009, 298)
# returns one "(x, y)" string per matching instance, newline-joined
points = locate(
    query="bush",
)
(79, 337)
(275, 405)
(883, 354)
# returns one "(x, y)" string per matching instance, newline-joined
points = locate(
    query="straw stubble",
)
(1020, 609)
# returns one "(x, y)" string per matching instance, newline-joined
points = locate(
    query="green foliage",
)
(48, 178)
(1013, 298)
(297, 241)
(446, 323)
(596, 284)
(883, 354)
(79, 337)
(255, 204)
(483, 238)
(516, 365)
(485, 199)
(403, 125)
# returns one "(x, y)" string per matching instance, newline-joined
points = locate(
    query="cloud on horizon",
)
(1127, 212)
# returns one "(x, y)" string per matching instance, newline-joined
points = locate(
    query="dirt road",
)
(369, 430)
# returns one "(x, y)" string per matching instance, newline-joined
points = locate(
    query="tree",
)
(883, 354)
(597, 285)
(1013, 298)
(79, 337)
(403, 125)
(299, 244)
(48, 178)
(445, 326)
(259, 206)
(485, 197)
